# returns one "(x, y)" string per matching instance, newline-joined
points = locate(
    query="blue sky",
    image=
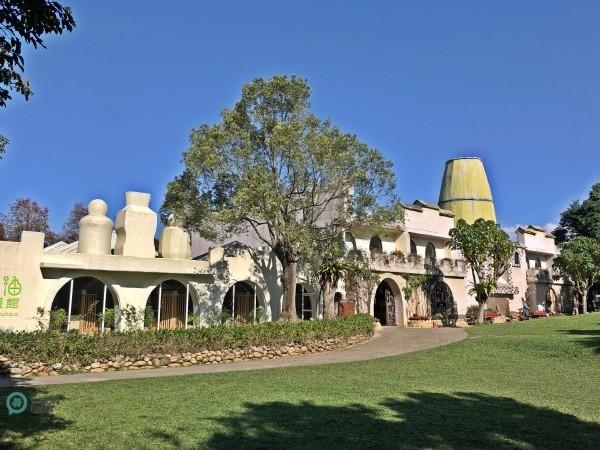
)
(514, 82)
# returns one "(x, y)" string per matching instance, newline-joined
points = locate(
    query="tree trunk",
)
(328, 301)
(288, 280)
(481, 314)
(584, 298)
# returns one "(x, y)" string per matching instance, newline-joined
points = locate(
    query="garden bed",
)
(52, 353)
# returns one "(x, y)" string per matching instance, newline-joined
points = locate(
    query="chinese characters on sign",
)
(9, 296)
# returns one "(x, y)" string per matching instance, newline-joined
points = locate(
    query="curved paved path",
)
(389, 341)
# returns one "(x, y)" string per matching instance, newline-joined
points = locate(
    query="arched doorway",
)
(169, 307)
(375, 245)
(337, 298)
(384, 307)
(303, 303)
(241, 304)
(442, 302)
(430, 253)
(84, 304)
(550, 301)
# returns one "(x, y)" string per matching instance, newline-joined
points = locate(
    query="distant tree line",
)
(25, 214)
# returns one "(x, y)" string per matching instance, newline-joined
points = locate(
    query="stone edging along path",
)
(390, 341)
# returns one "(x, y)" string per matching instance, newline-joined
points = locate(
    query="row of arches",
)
(375, 245)
(88, 305)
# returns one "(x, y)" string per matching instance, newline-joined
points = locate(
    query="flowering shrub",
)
(416, 317)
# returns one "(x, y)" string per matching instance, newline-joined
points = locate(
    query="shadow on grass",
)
(28, 429)
(423, 420)
(589, 338)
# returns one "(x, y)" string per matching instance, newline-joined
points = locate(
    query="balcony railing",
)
(506, 289)
(398, 262)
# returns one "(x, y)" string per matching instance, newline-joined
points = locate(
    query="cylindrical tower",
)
(466, 191)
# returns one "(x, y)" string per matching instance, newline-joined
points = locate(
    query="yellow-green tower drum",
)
(466, 191)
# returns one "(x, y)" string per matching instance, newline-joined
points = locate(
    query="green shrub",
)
(58, 319)
(73, 347)
(148, 316)
(438, 316)
(109, 318)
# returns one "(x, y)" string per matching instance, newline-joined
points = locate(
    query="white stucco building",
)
(189, 282)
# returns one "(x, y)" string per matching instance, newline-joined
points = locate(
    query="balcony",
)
(540, 275)
(400, 263)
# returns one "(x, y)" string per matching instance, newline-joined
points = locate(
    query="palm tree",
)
(329, 274)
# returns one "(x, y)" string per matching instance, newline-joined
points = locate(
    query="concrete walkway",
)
(390, 341)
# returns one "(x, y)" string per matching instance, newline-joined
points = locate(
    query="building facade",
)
(115, 277)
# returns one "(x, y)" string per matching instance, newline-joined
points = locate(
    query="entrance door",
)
(384, 307)
(390, 308)
(172, 311)
(88, 320)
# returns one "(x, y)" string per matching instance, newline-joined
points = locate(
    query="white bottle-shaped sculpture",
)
(136, 227)
(95, 230)
(174, 241)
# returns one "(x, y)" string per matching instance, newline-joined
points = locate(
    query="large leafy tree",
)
(579, 262)
(25, 21)
(271, 166)
(581, 218)
(487, 249)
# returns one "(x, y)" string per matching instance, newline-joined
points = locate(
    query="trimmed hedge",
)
(74, 347)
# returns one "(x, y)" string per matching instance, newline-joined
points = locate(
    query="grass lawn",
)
(524, 385)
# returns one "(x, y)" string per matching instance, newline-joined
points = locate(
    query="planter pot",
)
(420, 324)
(346, 309)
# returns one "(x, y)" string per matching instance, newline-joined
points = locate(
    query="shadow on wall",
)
(28, 429)
(423, 420)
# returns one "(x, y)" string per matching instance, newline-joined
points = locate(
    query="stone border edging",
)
(20, 369)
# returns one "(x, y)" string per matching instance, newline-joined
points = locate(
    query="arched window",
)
(538, 263)
(241, 303)
(169, 307)
(375, 245)
(413, 247)
(430, 253)
(303, 303)
(517, 259)
(84, 304)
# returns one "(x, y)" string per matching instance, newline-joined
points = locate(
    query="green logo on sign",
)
(12, 287)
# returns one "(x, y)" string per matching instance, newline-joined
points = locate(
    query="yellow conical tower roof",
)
(466, 191)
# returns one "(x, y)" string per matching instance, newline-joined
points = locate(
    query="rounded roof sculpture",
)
(466, 191)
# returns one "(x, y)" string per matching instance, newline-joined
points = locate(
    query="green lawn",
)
(524, 385)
